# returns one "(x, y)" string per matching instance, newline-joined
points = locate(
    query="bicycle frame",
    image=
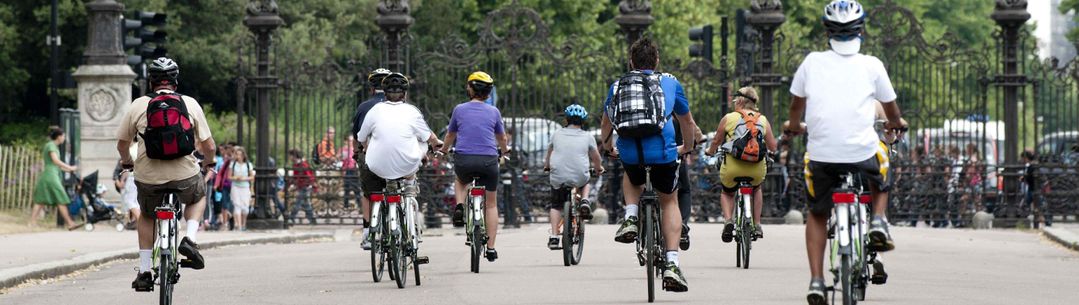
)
(476, 211)
(165, 253)
(848, 246)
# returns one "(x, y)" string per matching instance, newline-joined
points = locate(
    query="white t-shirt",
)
(840, 94)
(397, 135)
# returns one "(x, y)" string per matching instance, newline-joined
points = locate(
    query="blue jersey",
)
(658, 149)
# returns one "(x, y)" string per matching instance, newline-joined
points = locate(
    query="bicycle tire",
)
(400, 265)
(845, 274)
(567, 234)
(378, 257)
(737, 238)
(416, 268)
(746, 236)
(164, 273)
(477, 247)
(649, 251)
(578, 240)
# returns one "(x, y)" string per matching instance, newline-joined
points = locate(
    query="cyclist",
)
(158, 176)
(837, 90)
(392, 134)
(658, 151)
(374, 80)
(477, 134)
(744, 103)
(571, 149)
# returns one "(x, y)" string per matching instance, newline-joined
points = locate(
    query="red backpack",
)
(169, 132)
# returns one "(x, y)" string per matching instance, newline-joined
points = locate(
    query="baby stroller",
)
(96, 209)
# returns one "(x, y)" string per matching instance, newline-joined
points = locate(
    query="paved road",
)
(932, 266)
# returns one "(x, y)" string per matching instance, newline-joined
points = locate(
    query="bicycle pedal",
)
(640, 258)
(422, 260)
(186, 263)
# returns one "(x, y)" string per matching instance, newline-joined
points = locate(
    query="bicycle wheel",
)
(567, 234)
(399, 263)
(378, 256)
(165, 274)
(845, 274)
(477, 247)
(649, 251)
(578, 240)
(737, 238)
(746, 240)
(416, 267)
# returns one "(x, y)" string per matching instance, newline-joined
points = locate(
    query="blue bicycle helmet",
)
(576, 111)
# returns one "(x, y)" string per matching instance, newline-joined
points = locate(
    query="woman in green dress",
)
(49, 191)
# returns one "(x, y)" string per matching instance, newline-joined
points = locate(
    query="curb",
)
(15, 276)
(1063, 237)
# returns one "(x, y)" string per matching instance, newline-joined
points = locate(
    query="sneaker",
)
(144, 282)
(190, 250)
(879, 238)
(585, 209)
(554, 243)
(366, 244)
(459, 215)
(728, 232)
(491, 255)
(879, 275)
(683, 242)
(816, 292)
(673, 279)
(627, 233)
(758, 232)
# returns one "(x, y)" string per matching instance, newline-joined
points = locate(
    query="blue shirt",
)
(363, 108)
(658, 149)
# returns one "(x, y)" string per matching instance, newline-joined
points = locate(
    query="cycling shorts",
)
(191, 190)
(664, 176)
(483, 168)
(822, 178)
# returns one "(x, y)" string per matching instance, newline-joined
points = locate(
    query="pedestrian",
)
(241, 173)
(327, 154)
(49, 191)
(223, 185)
(349, 166)
(125, 184)
(303, 181)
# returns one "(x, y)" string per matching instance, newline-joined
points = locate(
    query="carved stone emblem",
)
(102, 106)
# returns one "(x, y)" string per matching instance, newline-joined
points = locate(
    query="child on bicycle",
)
(571, 150)
(735, 128)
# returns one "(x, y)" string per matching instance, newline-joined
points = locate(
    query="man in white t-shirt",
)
(837, 90)
(393, 134)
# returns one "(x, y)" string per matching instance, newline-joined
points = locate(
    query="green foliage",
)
(28, 132)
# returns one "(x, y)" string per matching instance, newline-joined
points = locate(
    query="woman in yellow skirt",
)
(49, 190)
(744, 102)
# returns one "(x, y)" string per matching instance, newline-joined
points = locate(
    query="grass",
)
(15, 222)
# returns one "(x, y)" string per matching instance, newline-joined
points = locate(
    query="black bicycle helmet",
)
(395, 83)
(163, 71)
(376, 76)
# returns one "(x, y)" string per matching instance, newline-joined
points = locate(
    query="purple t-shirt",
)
(476, 125)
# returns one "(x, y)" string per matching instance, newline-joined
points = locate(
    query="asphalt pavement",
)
(930, 266)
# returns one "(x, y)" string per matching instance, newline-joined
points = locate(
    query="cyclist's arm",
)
(770, 138)
(797, 110)
(503, 142)
(891, 109)
(547, 160)
(451, 138)
(720, 137)
(124, 147)
(207, 148)
(597, 163)
(689, 129)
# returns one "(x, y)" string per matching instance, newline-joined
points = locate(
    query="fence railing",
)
(19, 169)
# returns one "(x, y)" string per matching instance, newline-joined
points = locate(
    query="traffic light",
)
(702, 46)
(145, 36)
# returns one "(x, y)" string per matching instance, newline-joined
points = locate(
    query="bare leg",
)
(459, 191)
(145, 227)
(34, 214)
(671, 222)
(365, 205)
(491, 218)
(556, 219)
(64, 214)
(816, 236)
(880, 201)
(194, 211)
(758, 204)
(632, 193)
(726, 202)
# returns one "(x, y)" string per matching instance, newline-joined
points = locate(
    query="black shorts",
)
(822, 178)
(369, 181)
(191, 190)
(664, 176)
(559, 196)
(483, 168)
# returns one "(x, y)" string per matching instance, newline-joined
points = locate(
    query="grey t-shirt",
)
(569, 159)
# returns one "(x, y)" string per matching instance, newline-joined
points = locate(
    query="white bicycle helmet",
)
(844, 21)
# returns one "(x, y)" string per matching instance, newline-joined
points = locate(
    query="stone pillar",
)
(765, 17)
(262, 19)
(394, 20)
(1011, 15)
(635, 16)
(104, 84)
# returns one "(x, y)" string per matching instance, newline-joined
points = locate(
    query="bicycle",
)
(475, 223)
(848, 234)
(399, 244)
(572, 227)
(166, 262)
(743, 222)
(650, 253)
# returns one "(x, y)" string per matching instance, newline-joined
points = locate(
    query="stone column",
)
(104, 84)
(393, 18)
(635, 16)
(1011, 15)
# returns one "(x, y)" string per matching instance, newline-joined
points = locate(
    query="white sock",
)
(192, 229)
(365, 232)
(672, 256)
(631, 210)
(146, 258)
(555, 236)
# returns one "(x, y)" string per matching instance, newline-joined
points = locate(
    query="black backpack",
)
(637, 105)
(169, 134)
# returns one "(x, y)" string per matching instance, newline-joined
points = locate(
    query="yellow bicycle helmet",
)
(481, 83)
(480, 76)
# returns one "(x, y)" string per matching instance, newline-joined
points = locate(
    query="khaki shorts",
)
(191, 190)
